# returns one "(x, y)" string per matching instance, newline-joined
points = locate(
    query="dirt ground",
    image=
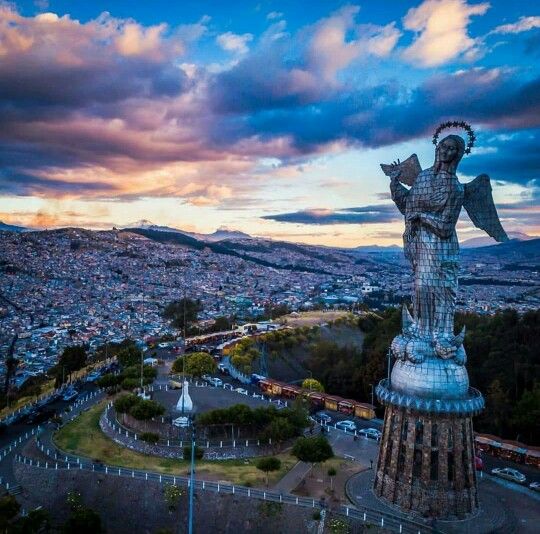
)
(319, 485)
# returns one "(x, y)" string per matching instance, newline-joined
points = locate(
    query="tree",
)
(109, 380)
(83, 520)
(312, 385)
(332, 473)
(124, 403)
(35, 522)
(9, 508)
(196, 364)
(268, 464)
(146, 409)
(177, 310)
(278, 431)
(312, 450)
(72, 359)
(527, 410)
(11, 364)
(130, 355)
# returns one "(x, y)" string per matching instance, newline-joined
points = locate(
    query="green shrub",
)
(149, 437)
(199, 453)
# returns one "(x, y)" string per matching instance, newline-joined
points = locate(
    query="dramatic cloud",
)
(288, 71)
(362, 215)
(232, 42)
(117, 110)
(508, 157)
(441, 27)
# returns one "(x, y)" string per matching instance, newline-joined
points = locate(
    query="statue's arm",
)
(440, 224)
(399, 194)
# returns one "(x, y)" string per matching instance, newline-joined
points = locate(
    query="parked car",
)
(510, 474)
(535, 486)
(216, 382)
(228, 386)
(348, 426)
(323, 417)
(70, 394)
(206, 378)
(241, 390)
(371, 433)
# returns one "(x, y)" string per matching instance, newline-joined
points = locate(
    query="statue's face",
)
(448, 150)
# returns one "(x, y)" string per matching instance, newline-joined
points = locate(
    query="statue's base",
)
(426, 464)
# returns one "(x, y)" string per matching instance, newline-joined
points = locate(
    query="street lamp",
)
(372, 403)
(191, 477)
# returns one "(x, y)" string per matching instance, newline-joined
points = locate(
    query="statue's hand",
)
(395, 173)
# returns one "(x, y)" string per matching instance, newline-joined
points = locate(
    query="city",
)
(269, 267)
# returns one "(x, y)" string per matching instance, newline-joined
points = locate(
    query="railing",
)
(122, 431)
(366, 515)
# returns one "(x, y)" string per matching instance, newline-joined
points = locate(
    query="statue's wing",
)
(409, 169)
(478, 202)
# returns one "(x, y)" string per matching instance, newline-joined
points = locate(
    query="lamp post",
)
(191, 478)
(372, 402)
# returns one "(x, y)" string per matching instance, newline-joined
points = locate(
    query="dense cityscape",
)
(76, 286)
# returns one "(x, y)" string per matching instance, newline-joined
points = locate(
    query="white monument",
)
(185, 404)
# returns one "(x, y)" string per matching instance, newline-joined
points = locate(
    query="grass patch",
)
(84, 437)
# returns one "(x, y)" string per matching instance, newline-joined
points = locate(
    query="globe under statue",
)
(426, 460)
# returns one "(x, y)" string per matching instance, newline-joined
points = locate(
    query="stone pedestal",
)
(426, 463)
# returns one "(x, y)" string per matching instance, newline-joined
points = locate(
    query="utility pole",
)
(142, 353)
(184, 356)
(191, 478)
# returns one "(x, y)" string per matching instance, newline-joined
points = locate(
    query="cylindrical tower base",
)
(426, 463)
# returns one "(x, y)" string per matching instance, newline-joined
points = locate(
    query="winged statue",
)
(431, 206)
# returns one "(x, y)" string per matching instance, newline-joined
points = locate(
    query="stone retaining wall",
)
(211, 452)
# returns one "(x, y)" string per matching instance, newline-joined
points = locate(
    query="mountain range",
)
(225, 235)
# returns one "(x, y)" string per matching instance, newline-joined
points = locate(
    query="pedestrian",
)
(371, 464)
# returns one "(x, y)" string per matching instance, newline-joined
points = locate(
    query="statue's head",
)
(449, 152)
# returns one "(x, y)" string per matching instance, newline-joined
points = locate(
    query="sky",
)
(271, 118)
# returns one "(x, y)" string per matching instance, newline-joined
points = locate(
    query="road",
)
(20, 428)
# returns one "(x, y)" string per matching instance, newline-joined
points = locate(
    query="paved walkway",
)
(501, 511)
(291, 480)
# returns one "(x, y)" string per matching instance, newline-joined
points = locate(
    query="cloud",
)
(273, 15)
(515, 158)
(232, 42)
(382, 213)
(441, 29)
(523, 24)
(286, 71)
(112, 109)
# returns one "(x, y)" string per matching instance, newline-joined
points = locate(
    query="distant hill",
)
(485, 241)
(224, 233)
(178, 238)
(525, 249)
(220, 234)
(12, 228)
